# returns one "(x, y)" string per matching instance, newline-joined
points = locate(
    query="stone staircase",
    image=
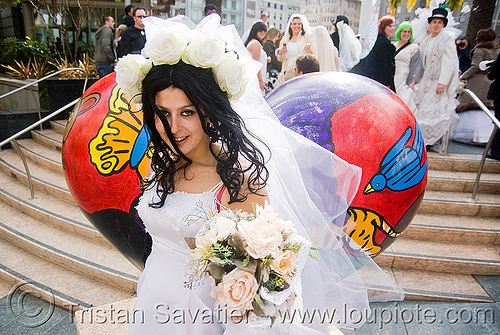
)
(47, 241)
(452, 238)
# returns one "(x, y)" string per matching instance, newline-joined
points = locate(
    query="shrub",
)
(23, 51)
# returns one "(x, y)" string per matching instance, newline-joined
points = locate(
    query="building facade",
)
(323, 12)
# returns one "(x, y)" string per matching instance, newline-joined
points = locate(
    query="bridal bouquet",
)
(253, 260)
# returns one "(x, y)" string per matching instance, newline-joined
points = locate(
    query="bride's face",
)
(184, 122)
(296, 26)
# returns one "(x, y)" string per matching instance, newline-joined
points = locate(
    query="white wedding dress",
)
(402, 61)
(165, 304)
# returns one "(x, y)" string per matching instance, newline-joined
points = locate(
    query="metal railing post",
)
(17, 148)
(485, 152)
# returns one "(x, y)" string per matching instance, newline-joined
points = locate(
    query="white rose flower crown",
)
(169, 41)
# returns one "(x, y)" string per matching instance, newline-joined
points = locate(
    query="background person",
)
(274, 67)
(210, 8)
(104, 47)
(128, 20)
(254, 45)
(306, 64)
(346, 42)
(463, 52)
(133, 38)
(292, 44)
(408, 64)
(322, 47)
(118, 36)
(435, 92)
(477, 81)
(379, 63)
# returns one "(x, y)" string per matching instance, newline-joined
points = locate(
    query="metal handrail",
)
(34, 125)
(485, 153)
(13, 139)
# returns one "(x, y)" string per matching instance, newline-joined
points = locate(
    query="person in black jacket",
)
(379, 64)
(129, 16)
(133, 38)
(494, 93)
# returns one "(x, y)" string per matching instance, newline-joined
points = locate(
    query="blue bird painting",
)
(401, 167)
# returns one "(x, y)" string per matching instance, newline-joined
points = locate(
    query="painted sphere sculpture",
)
(366, 124)
(105, 155)
(106, 152)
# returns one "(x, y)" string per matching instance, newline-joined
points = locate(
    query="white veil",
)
(349, 47)
(313, 188)
(322, 46)
(303, 19)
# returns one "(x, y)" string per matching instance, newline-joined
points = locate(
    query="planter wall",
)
(23, 100)
(56, 93)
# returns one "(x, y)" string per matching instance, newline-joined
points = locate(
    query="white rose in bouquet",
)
(223, 227)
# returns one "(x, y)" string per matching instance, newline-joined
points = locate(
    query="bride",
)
(218, 146)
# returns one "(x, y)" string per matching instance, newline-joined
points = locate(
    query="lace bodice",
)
(181, 216)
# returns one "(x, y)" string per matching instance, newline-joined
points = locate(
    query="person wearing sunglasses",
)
(133, 38)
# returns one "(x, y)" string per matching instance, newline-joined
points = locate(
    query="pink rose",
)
(262, 237)
(284, 263)
(236, 291)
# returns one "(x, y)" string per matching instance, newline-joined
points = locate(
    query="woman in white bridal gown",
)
(408, 64)
(218, 146)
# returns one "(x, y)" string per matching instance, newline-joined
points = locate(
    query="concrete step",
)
(48, 209)
(453, 228)
(443, 202)
(59, 125)
(44, 179)
(460, 162)
(48, 137)
(443, 257)
(67, 288)
(458, 181)
(438, 286)
(41, 155)
(90, 258)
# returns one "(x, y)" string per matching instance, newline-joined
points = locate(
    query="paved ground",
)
(423, 317)
(26, 315)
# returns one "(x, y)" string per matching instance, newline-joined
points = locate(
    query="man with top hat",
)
(435, 92)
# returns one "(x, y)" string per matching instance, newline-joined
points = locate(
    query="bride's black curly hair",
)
(202, 90)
